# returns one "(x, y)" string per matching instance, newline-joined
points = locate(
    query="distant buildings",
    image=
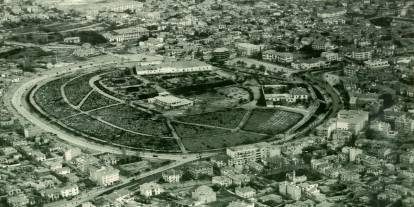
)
(175, 67)
(273, 56)
(72, 40)
(361, 54)
(126, 34)
(247, 49)
(331, 12)
(18, 200)
(221, 54)
(376, 64)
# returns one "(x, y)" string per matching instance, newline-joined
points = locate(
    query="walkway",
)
(175, 135)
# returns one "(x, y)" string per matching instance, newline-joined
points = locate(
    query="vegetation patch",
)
(94, 128)
(197, 138)
(271, 121)
(133, 119)
(78, 88)
(229, 118)
(50, 99)
(96, 100)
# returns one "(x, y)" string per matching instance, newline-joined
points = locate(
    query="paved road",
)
(127, 183)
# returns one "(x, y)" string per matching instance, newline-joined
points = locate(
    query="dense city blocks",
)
(193, 103)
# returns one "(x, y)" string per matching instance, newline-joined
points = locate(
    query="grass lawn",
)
(50, 99)
(271, 121)
(78, 88)
(96, 100)
(229, 118)
(197, 138)
(94, 128)
(132, 119)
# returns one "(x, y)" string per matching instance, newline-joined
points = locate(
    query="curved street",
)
(17, 98)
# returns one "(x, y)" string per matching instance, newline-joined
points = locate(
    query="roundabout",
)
(113, 110)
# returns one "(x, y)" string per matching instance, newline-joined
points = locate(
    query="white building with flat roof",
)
(168, 101)
(126, 34)
(104, 176)
(247, 49)
(175, 67)
(258, 152)
(351, 120)
(150, 189)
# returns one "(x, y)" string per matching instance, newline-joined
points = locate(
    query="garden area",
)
(94, 128)
(50, 99)
(188, 83)
(133, 119)
(228, 118)
(78, 88)
(126, 86)
(271, 121)
(96, 100)
(197, 138)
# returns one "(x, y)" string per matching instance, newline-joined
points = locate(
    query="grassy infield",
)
(261, 124)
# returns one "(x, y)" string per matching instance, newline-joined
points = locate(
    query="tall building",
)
(221, 54)
(290, 189)
(351, 120)
(258, 152)
(247, 49)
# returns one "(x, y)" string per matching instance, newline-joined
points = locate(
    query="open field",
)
(271, 121)
(94, 128)
(130, 118)
(50, 99)
(96, 100)
(229, 118)
(78, 88)
(196, 138)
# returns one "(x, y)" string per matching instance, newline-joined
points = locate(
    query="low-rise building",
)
(247, 49)
(72, 40)
(104, 176)
(168, 101)
(273, 56)
(126, 34)
(203, 195)
(376, 64)
(18, 201)
(331, 56)
(174, 67)
(245, 192)
(69, 191)
(150, 189)
(221, 181)
(200, 168)
(172, 176)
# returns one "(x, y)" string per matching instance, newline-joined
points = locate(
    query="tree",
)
(262, 68)
(253, 66)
